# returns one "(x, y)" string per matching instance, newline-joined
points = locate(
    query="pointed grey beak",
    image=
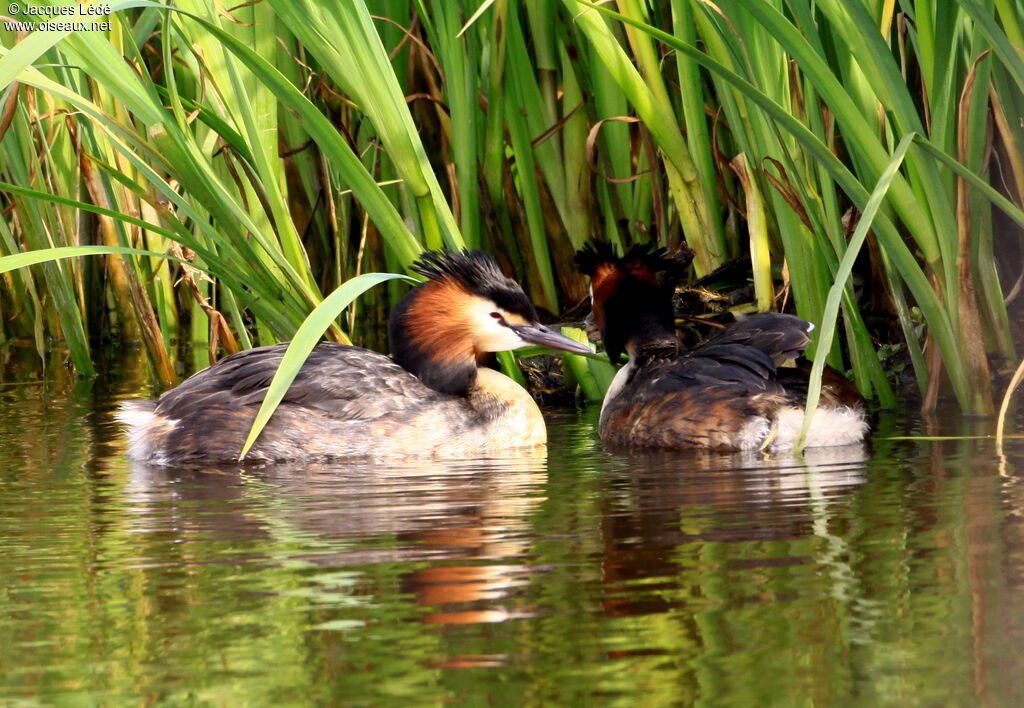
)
(542, 336)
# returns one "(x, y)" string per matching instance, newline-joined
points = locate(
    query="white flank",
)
(145, 428)
(753, 433)
(134, 415)
(830, 427)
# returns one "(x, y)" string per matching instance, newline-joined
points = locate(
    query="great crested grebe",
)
(728, 393)
(432, 398)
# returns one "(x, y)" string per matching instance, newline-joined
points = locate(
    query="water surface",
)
(885, 575)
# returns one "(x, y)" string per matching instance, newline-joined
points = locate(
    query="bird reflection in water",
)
(469, 521)
(667, 506)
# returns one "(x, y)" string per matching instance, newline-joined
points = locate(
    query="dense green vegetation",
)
(280, 148)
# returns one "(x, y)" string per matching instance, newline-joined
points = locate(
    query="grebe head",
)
(466, 310)
(630, 306)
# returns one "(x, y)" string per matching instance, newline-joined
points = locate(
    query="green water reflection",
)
(889, 576)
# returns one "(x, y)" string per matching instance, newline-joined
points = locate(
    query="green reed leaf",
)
(1004, 406)
(835, 294)
(305, 339)
(48, 255)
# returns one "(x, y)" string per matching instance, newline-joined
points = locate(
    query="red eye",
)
(496, 315)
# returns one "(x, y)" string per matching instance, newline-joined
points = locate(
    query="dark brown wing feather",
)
(334, 381)
(778, 335)
(337, 384)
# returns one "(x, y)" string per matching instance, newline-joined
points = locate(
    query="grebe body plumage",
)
(432, 399)
(730, 393)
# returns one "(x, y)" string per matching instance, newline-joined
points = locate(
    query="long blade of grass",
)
(85, 206)
(1018, 376)
(526, 170)
(835, 294)
(692, 97)
(484, 7)
(456, 51)
(307, 337)
(47, 255)
(993, 195)
(757, 230)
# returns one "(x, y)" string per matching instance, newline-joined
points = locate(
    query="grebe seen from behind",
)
(728, 393)
(433, 398)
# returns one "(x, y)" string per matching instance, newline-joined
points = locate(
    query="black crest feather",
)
(639, 256)
(593, 254)
(478, 273)
(471, 268)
